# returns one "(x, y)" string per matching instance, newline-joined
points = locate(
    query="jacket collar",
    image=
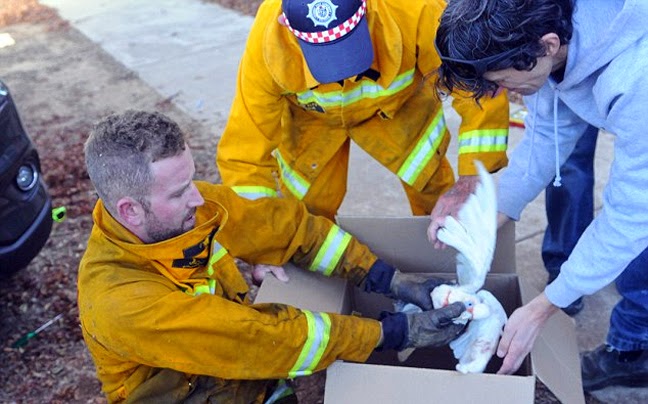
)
(178, 258)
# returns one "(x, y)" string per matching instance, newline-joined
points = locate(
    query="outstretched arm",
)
(521, 331)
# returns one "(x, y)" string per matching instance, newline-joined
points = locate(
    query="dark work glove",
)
(411, 288)
(435, 327)
(416, 330)
(414, 288)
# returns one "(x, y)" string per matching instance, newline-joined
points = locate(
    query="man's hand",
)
(521, 330)
(414, 288)
(435, 327)
(260, 271)
(449, 205)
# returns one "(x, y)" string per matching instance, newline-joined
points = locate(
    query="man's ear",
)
(551, 43)
(130, 211)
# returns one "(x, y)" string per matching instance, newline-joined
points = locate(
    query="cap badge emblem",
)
(321, 12)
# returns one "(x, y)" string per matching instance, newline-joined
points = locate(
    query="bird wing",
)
(474, 234)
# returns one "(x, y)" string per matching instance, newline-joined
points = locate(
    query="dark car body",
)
(25, 205)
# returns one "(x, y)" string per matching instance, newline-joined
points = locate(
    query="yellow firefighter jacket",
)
(183, 305)
(283, 121)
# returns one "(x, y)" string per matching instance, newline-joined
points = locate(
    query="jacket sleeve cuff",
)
(379, 277)
(560, 294)
(395, 331)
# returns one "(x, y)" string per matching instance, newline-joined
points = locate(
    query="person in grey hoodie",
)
(577, 63)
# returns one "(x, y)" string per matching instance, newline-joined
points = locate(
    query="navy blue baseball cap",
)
(333, 35)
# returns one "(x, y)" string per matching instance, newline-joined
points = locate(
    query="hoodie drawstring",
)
(557, 181)
(532, 129)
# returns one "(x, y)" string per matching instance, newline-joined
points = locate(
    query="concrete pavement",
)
(189, 52)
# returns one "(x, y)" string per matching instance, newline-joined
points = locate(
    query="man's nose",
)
(196, 198)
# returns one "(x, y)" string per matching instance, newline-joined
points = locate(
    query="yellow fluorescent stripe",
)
(293, 181)
(330, 251)
(201, 289)
(484, 133)
(367, 90)
(307, 345)
(326, 323)
(483, 148)
(424, 150)
(218, 252)
(487, 140)
(319, 334)
(253, 192)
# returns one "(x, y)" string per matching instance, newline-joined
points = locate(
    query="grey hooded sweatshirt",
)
(606, 85)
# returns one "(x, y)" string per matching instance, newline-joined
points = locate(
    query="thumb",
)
(446, 314)
(432, 231)
(279, 273)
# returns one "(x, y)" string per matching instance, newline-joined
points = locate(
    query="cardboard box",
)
(429, 375)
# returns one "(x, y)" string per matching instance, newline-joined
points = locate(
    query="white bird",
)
(478, 343)
(473, 236)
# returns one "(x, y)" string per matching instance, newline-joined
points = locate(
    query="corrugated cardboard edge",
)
(554, 356)
(386, 235)
(374, 384)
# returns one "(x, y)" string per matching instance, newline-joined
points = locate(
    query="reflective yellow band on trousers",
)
(424, 150)
(319, 333)
(297, 184)
(484, 140)
(331, 251)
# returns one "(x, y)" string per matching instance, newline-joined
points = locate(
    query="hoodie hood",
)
(605, 85)
(602, 31)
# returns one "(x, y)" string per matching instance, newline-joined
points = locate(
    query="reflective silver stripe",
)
(319, 333)
(208, 289)
(293, 181)
(483, 140)
(366, 90)
(218, 252)
(283, 390)
(331, 251)
(253, 192)
(424, 150)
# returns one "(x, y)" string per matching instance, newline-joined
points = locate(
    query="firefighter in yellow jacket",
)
(164, 310)
(317, 74)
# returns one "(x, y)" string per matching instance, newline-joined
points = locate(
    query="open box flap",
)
(324, 294)
(555, 354)
(363, 383)
(403, 242)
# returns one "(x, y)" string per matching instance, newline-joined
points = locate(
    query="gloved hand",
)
(431, 328)
(414, 288)
(434, 327)
(410, 288)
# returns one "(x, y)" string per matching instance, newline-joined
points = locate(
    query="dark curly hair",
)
(476, 29)
(121, 148)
